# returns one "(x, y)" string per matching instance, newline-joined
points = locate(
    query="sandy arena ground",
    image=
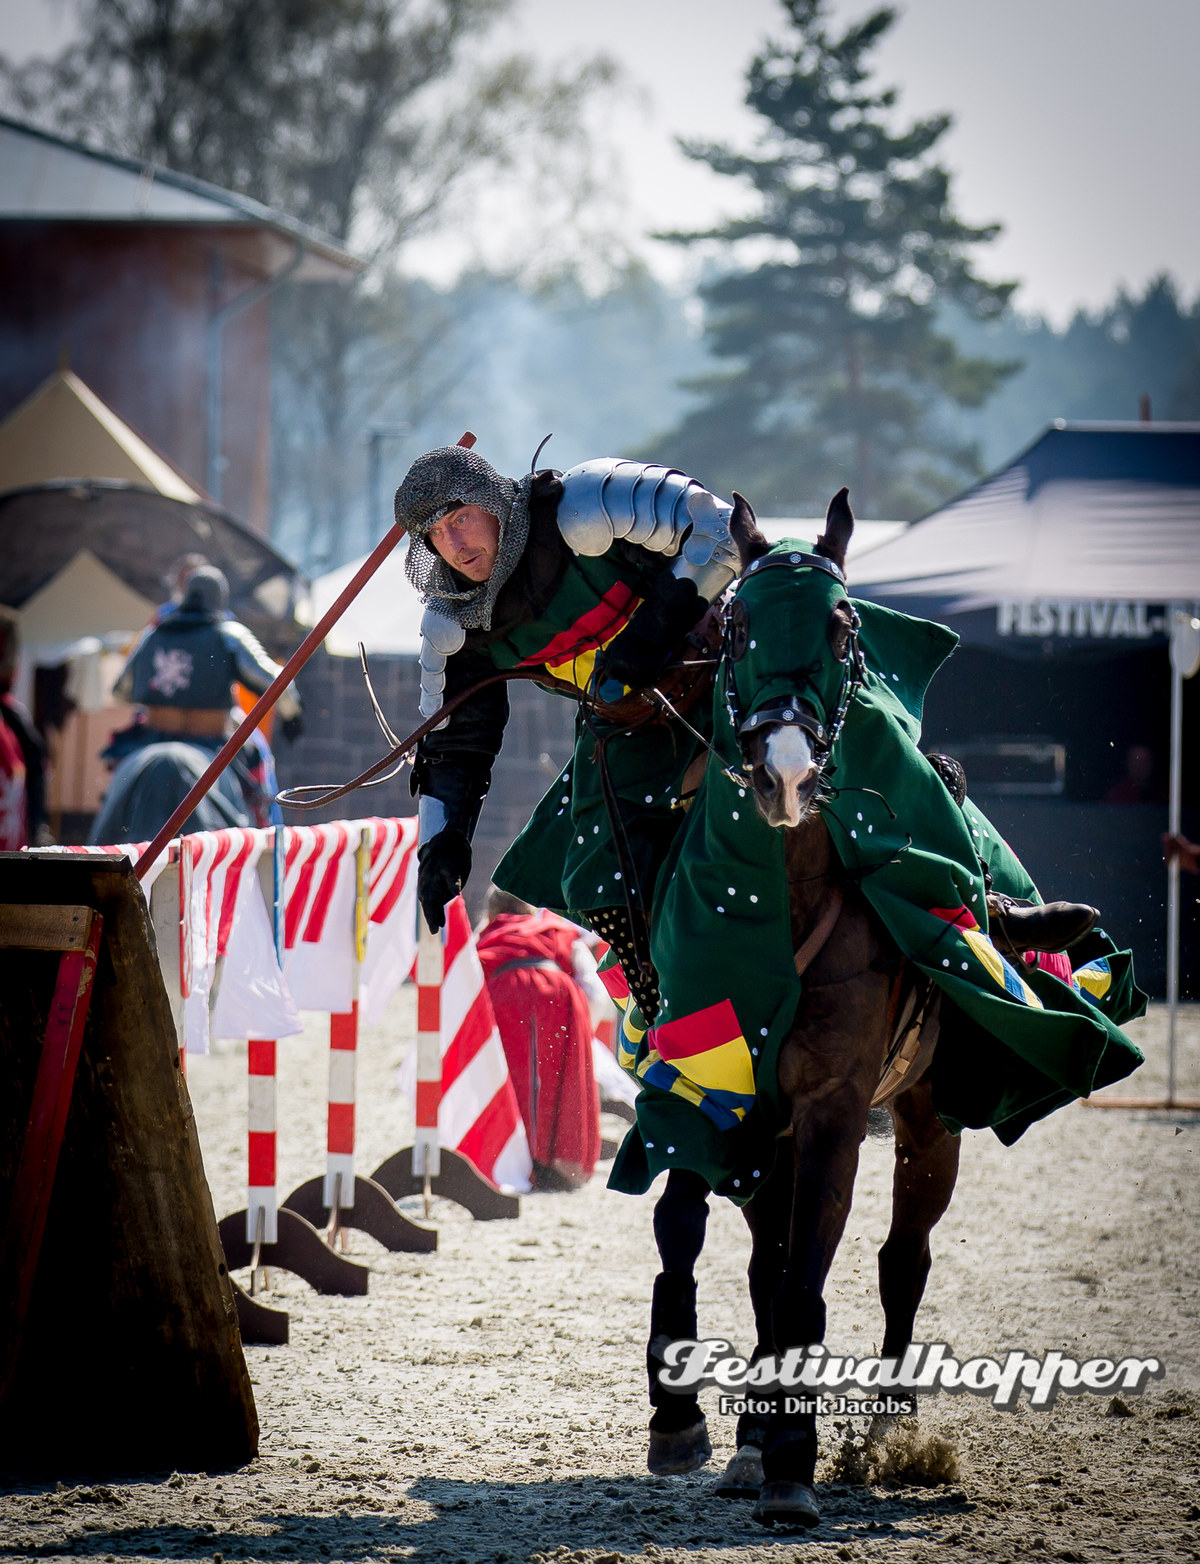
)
(488, 1402)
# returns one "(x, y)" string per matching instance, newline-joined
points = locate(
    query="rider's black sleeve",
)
(454, 763)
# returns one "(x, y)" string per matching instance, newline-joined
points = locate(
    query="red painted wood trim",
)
(44, 1129)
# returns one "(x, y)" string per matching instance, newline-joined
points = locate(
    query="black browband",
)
(787, 708)
(793, 558)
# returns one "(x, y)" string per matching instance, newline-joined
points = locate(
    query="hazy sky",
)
(1077, 122)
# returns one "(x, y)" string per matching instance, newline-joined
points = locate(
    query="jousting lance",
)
(286, 674)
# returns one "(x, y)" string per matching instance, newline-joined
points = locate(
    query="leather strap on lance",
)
(316, 795)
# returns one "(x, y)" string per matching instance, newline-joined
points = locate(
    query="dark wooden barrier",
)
(130, 1356)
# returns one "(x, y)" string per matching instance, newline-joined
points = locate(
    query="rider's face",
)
(467, 539)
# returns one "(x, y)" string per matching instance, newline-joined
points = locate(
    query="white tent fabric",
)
(1087, 512)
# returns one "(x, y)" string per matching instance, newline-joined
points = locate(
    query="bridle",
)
(791, 708)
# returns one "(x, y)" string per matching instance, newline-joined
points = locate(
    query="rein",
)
(819, 937)
(318, 795)
(328, 793)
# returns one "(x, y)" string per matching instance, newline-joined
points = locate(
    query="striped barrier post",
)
(338, 1193)
(377, 855)
(467, 1124)
(262, 1187)
(426, 1153)
(262, 1194)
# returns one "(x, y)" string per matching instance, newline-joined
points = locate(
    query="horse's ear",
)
(743, 529)
(839, 524)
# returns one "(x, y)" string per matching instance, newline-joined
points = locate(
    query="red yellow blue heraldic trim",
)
(704, 1059)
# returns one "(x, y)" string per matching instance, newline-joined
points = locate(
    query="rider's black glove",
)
(445, 863)
(638, 655)
(293, 727)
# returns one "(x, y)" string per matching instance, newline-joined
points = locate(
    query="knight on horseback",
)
(181, 675)
(594, 578)
(598, 575)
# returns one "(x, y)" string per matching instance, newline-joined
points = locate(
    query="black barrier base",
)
(373, 1212)
(300, 1249)
(459, 1181)
(259, 1325)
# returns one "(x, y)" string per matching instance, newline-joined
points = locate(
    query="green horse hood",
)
(769, 612)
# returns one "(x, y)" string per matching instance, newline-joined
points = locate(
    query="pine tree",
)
(838, 367)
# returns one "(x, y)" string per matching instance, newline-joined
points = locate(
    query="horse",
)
(834, 1066)
(154, 775)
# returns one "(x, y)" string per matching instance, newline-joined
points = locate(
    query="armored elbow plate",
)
(441, 637)
(658, 508)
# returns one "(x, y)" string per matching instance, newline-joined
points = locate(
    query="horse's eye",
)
(838, 631)
(739, 630)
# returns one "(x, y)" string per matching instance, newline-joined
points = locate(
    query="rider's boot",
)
(1054, 926)
(678, 1431)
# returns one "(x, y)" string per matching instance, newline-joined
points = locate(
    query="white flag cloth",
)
(221, 920)
(392, 931)
(252, 998)
(319, 915)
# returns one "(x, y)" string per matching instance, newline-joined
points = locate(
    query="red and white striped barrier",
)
(466, 1098)
(262, 1186)
(328, 922)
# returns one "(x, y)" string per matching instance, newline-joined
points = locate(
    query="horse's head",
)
(789, 652)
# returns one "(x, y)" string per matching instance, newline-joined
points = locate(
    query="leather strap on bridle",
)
(816, 941)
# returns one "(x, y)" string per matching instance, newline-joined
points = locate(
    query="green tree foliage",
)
(1099, 366)
(360, 117)
(838, 370)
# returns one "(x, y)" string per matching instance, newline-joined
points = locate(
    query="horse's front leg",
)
(768, 1216)
(923, 1182)
(678, 1430)
(829, 1083)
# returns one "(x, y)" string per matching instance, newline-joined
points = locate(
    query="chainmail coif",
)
(438, 482)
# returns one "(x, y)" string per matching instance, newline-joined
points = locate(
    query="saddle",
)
(685, 681)
(909, 1005)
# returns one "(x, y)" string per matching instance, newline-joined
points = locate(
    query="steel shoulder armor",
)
(658, 508)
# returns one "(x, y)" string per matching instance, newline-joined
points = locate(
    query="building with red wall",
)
(154, 288)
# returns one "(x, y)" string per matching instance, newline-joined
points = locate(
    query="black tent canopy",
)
(1083, 537)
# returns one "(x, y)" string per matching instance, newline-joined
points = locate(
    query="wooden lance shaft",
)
(285, 676)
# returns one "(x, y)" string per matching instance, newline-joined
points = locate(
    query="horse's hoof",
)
(743, 1476)
(682, 1450)
(786, 1504)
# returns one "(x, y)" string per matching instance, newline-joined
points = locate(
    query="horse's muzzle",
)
(781, 752)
